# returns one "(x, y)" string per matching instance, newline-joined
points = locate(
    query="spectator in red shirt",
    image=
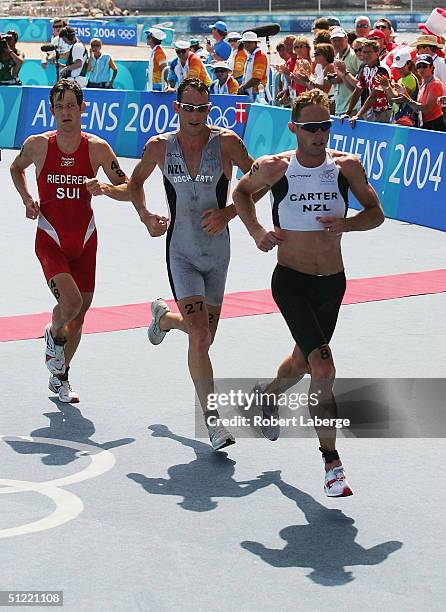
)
(377, 108)
(429, 95)
(385, 25)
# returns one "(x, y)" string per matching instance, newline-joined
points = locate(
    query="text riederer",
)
(239, 398)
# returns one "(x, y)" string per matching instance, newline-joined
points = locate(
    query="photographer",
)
(77, 58)
(10, 63)
(57, 42)
(13, 39)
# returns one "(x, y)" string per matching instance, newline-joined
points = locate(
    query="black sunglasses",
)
(181, 50)
(190, 108)
(233, 39)
(315, 126)
(358, 50)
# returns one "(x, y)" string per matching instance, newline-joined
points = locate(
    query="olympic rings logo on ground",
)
(127, 34)
(224, 119)
(68, 505)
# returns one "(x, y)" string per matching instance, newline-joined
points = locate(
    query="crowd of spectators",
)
(365, 73)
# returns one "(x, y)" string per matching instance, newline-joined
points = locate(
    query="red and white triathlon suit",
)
(66, 239)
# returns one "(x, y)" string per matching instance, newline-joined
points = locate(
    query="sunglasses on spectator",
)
(233, 39)
(57, 27)
(362, 25)
(216, 70)
(190, 108)
(181, 50)
(358, 50)
(315, 126)
(300, 47)
(381, 27)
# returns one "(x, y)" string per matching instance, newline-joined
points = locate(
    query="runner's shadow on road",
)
(326, 544)
(66, 424)
(208, 476)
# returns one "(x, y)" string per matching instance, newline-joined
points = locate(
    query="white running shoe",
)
(220, 436)
(54, 353)
(159, 308)
(63, 389)
(270, 413)
(336, 484)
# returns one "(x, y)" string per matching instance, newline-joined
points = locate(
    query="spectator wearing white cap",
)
(157, 59)
(225, 82)
(186, 65)
(220, 50)
(256, 67)
(346, 62)
(238, 57)
(407, 83)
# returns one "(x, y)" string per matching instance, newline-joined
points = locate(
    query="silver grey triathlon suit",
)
(197, 263)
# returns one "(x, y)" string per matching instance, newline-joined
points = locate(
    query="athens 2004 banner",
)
(126, 119)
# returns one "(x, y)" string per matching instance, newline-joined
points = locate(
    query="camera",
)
(331, 77)
(4, 45)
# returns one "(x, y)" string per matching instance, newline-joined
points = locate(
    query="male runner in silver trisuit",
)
(196, 162)
(309, 192)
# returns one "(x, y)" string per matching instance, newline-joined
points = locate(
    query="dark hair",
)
(14, 34)
(280, 45)
(308, 98)
(191, 84)
(322, 36)
(58, 91)
(68, 32)
(321, 24)
(326, 50)
(351, 36)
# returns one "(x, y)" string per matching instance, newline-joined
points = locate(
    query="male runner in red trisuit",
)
(67, 162)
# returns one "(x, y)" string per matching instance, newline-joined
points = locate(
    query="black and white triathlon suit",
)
(309, 303)
(197, 263)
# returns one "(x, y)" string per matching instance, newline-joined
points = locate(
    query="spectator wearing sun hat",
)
(220, 50)
(157, 59)
(256, 67)
(225, 82)
(238, 57)
(186, 65)
(428, 44)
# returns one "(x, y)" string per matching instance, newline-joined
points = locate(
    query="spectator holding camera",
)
(76, 58)
(100, 65)
(220, 50)
(13, 39)
(57, 42)
(10, 63)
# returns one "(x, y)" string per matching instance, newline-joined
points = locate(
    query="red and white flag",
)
(240, 112)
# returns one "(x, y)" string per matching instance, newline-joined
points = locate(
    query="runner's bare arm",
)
(104, 157)
(372, 214)
(233, 148)
(27, 156)
(264, 172)
(152, 156)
